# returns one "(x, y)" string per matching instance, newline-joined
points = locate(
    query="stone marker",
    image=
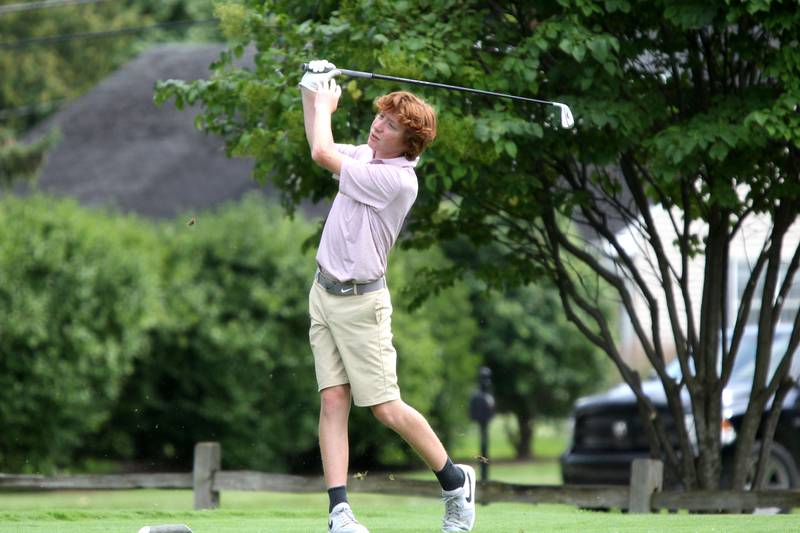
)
(166, 528)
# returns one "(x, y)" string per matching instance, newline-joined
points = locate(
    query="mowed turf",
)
(127, 511)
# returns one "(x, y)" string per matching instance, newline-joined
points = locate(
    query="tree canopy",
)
(19, 162)
(57, 52)
(687, 105)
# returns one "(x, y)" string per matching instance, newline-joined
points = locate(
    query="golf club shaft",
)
(359, 74)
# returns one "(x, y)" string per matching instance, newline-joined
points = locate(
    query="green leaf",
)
(579, 52)
(481, 131)
(414, 44)
(754, 6)
(511, 148)
(690, 16)
(718, 151)
(566, 45)
(599, 48)
(442, 67)
(618, 5)
(459, 171)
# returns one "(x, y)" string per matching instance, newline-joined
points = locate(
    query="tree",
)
(48, 72)
(540, 363)
(19, 162)
(688, 106)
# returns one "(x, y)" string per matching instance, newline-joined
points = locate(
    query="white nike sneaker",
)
(459, 504)
(342, 520)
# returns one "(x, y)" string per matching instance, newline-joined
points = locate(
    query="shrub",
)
(230, 360)
(77, 294)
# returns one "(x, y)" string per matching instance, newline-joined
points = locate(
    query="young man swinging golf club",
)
(349, 302)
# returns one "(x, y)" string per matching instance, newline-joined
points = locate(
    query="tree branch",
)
(652, 351)
(745, 305)
(604, 339)
(769, 432)
(760, 391)
(786, 286)
(635, 186)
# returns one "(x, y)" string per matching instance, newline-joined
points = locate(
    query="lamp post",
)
(481, 410)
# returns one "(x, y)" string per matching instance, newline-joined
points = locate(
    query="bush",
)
(77, 294)
(133, 341)
(232, 362)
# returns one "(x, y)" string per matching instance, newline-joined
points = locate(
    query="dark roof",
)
(118, 148)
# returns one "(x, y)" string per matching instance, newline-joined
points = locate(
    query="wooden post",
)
(647, 477)
(207, 460)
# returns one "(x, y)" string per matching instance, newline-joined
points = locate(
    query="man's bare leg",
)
(415, 430)
(334, 413)
(334, 447)
(457, 481)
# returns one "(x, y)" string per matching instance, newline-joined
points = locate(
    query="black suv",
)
(608, 433)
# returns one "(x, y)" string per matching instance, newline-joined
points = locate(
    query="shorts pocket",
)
(383, 307)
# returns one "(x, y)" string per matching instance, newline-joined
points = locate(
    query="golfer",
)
(349, 302)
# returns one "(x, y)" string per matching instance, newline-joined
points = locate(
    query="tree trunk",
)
(761, 392)
(524, 442)
(707, 398)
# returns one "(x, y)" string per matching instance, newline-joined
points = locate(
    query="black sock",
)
(336, 495)
(450, 477)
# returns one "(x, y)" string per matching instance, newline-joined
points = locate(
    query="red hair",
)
(417, 117)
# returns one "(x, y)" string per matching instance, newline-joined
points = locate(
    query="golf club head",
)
(566, 115)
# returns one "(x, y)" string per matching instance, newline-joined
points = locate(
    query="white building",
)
(744, 251)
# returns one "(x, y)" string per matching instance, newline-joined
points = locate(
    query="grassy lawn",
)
(264, 512)
(127, 511)
(550, 441)
(541, 472)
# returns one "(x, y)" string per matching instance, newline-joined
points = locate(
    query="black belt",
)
(349, 289)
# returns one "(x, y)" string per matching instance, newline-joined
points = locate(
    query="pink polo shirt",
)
(367, 214)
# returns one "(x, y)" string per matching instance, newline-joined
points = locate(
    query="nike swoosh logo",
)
(345, 291)
(330, 525)
(469, 485)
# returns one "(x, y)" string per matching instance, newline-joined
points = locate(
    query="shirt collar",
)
(397, 161)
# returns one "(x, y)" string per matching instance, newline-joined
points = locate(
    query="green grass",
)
(542, 472)
(549, 442)
(127, 511)
(265, 512)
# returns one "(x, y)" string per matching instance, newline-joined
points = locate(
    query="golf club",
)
(566, 114)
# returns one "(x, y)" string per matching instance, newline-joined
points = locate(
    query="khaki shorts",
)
(351, 337)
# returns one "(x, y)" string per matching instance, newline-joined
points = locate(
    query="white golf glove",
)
(318, 71)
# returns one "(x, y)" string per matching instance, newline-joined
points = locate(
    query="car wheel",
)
(781, 473)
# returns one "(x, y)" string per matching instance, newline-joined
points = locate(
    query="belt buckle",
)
(347, 289)
(343, 289)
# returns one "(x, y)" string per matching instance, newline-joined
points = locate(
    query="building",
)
(744, 251)
(119, 149)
